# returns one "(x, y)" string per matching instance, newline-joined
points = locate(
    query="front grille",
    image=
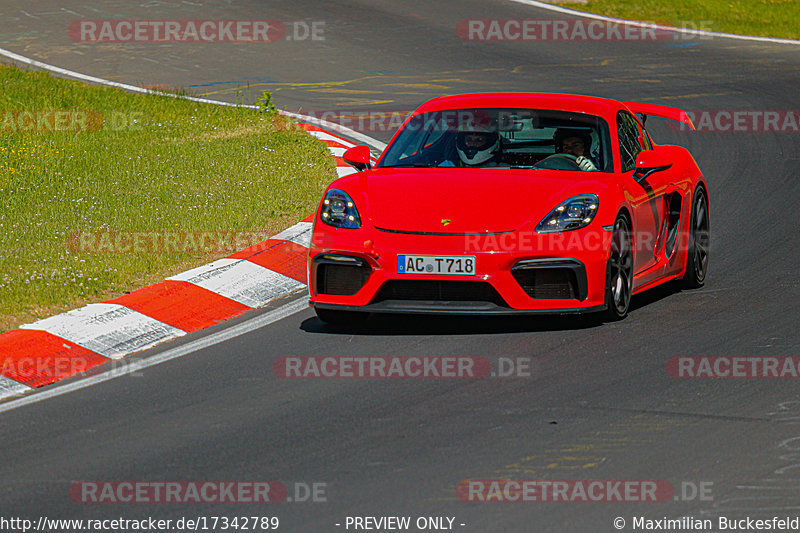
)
(548, 283)
(439, 291)
(344, 280)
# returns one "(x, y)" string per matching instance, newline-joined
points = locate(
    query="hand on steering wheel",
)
(558, 162)
(564, 161)
(585, 163)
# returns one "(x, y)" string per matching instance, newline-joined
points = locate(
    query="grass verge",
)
(93, 163)
(767, 18)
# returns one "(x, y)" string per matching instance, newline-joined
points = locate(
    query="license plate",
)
(458, 265)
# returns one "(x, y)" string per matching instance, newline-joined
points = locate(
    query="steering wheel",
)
(558, 162)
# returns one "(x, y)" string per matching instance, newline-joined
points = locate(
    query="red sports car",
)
(505, 203)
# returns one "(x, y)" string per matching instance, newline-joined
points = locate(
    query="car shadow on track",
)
(654, 295)
(402, 324)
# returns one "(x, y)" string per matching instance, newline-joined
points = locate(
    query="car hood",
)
(441, 200)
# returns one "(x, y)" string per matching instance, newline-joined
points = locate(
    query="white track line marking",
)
(101, 81)
(240, 280)
(9, 387)
(111, 330)
(635, 23)
(300, 234)
(133, 88)
(325, 136)
(129, 367)
(345, 171)
(338, 128)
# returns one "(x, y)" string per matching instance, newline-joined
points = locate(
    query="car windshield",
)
(501, 138)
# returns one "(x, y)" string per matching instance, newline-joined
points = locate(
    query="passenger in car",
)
(576, 143)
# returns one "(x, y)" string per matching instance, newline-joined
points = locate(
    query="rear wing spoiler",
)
(672, 113)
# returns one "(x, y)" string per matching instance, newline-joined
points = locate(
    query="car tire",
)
(698, 241)
(619, 271)
(341, 318)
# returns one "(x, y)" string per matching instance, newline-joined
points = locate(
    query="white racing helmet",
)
(477, 142)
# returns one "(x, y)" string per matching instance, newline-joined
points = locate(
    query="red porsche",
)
(505, 203)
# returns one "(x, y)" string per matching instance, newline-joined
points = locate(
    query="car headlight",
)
(339, 210)
(574, 213)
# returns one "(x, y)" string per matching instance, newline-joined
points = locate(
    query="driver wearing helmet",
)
(575, 143)
(477, 143)
(476, 147)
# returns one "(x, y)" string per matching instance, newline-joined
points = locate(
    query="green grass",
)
(768, 18)
(154, 164)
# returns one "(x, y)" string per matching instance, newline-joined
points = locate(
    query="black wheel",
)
(619, 272)
(341, 318)
(697, 251)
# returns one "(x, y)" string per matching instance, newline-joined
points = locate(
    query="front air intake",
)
(340, 275)
(552, 279)
(439, 291)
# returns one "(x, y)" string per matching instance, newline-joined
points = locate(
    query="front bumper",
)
(420, 307)
(516, 272)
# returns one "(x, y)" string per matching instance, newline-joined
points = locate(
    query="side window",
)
(629, 147)
(420, 133)
(435, 134)
(628, 141)
(645, 139)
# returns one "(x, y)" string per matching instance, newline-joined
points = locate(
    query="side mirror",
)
(650, 161)
(357, 157)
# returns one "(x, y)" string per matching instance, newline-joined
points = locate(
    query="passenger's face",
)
(574, 146)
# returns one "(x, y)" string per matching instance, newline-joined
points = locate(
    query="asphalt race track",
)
(598, 404)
